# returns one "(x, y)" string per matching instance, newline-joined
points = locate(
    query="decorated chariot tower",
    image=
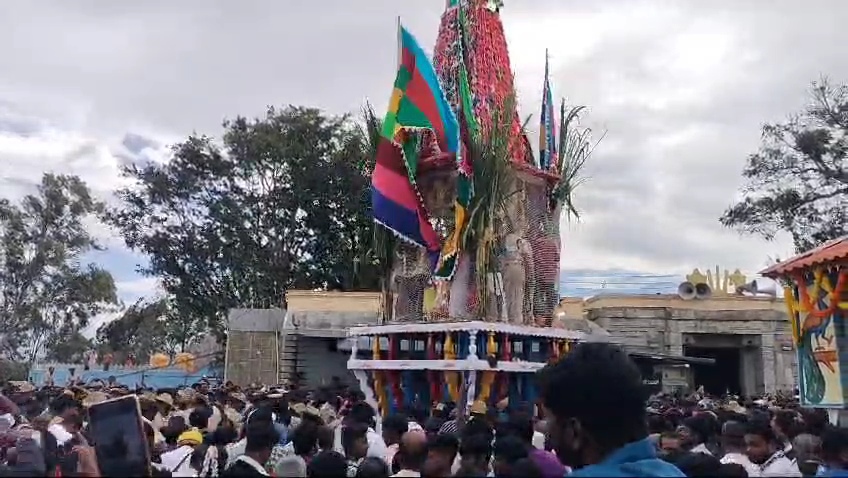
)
(475, 266)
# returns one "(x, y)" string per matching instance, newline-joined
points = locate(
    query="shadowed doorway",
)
(721, 377)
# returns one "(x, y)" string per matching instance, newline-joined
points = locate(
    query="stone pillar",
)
(768, 363)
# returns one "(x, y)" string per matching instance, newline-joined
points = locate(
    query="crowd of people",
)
(593, 418)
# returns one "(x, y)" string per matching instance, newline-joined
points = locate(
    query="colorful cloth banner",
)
(547, 129)
(417, 103)
(464, 181)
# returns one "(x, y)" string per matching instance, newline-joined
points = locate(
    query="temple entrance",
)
(722, 377)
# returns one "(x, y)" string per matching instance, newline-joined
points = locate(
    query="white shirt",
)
(701, 448)
(376, 446)
(59, 433)
(408, 474)
(235, 450)
(741, 459)
(538, 440)
(178, 462)
(779, 465)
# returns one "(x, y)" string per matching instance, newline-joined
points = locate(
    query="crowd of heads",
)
(592, 404)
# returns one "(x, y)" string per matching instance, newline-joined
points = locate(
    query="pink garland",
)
(489, 67)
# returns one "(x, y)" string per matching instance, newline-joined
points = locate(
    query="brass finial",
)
(721, 284)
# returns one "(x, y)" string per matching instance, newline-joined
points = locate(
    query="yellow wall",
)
(309, 301)
(575, 308)
(303, 301)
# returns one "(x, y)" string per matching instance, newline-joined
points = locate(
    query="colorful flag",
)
(417, 103)
(446, 266)
(547, 135)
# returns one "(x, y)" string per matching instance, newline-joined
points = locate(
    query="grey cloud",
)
(661, 202)
(186, 66)
(137, 143)
(177, 67)
(20, 126)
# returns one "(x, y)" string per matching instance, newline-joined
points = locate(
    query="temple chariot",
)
(472, 231)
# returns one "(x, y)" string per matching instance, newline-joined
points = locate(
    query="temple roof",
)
(829, 253)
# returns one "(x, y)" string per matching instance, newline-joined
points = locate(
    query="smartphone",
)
(117, 432)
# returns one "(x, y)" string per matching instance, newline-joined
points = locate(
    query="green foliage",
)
(68, 349)
(282, 203)
(10, 371)
(46, 295)
(494, 184)
(574, 149)
(798, 179)
(146, 328)
(384, 242)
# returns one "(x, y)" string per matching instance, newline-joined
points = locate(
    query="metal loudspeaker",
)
(770, 290)
(703, 291)
(750, 287)
(754, 289)
(686, 290)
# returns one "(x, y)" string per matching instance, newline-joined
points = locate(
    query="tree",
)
(277, 206)
(143, 329)
(798, 180)
(46, 295)
(70, 348)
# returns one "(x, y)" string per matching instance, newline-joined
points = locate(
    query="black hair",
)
(396, 423)
(325, 437)
(698, 465)
(762, 428)
(361, 412)
(608, 399)
(477, 446)
(477, 426)
(700, 426)
(785, 421)
(418, 412)
(351, 433)
(521, 425)
(657, 424)
(148, 409)
(64, 402)
(281, 409)
(733, 470)
(304, 438)
(444, 442)
(432, 425)
(372, 467)
(834, 441)
(261, 436)
(261, 414)
(733, 434)
(327, 464)
(510, 449)
(199, 417)
(223, 435)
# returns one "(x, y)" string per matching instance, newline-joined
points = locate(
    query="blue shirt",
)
(638, 459)
(831, 472)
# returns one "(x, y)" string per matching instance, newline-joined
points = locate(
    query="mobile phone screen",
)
(118, 437)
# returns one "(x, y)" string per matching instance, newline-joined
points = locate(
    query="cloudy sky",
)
(681, 88)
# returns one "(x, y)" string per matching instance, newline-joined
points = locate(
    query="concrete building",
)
(748, 338)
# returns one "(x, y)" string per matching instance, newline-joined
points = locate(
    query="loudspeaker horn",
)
(703, 291)
(686, 290)
(750, 287)
(770, 290)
